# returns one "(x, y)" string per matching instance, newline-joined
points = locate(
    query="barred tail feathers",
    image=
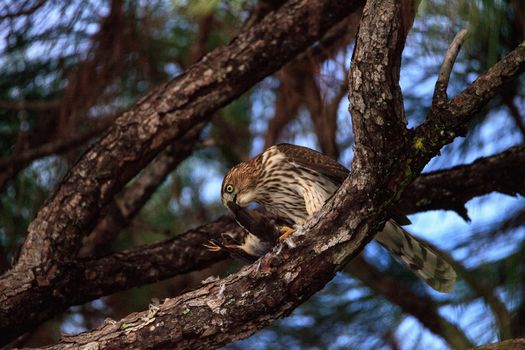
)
(417, 256)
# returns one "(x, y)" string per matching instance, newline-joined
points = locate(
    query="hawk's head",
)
(240, 184)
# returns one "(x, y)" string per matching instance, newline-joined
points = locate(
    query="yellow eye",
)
(229, 189)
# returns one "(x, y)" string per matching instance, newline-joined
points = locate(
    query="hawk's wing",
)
(327, 166)
(316, 161)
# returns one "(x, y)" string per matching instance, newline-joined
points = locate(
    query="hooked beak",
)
(233, 206)
(226, 202)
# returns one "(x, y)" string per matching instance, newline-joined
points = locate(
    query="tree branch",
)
(451, 189)
(450, 121)
(376, 100)
(87, 279)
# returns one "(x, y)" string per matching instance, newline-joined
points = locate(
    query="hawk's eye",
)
(229, 189)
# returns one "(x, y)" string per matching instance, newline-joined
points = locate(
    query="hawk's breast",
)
(290, 191)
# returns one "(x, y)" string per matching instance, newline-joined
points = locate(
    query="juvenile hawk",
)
(293, 182)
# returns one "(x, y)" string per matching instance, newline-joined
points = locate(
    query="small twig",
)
(440, 91)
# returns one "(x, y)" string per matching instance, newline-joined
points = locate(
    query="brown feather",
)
(326, 166)
(316, 161)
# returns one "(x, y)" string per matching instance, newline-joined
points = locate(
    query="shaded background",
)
(68, 68)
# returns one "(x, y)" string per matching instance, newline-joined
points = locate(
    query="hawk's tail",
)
(421, 259)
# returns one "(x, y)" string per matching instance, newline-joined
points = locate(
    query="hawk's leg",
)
(286, 231)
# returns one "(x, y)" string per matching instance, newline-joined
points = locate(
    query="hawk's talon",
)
(286, 232)
(211, 246)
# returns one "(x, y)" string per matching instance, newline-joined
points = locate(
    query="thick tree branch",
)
(376, 100)
(88, 279)
(451, 189)
(55, 235)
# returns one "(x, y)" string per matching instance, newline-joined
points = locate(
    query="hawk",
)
(293, 182)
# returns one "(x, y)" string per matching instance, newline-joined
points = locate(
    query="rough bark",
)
(55, 235)
(89, 279)
(447, 121)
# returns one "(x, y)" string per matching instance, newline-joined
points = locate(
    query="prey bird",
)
(293, 182)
